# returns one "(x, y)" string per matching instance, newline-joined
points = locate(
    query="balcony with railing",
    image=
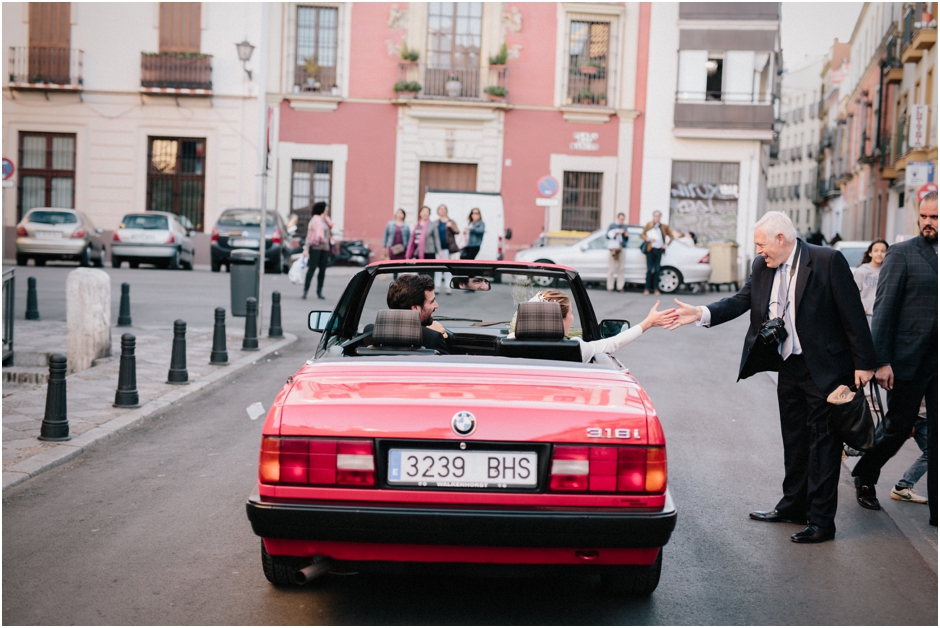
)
(188, 73)
(725, 111)
(893, 70)
(425, 82)
(919, 32)
(46, 68)
(316, 80)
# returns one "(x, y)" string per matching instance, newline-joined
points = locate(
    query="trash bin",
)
(244, 278)
(723, 257)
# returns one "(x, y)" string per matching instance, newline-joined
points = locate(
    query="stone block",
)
(88, 317)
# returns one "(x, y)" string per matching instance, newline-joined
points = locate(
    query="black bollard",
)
(124, 317)
(126, 395)
(32, 303)
(178, 373)
(219, 355)
(250, 341)
(275, 330)
(55, 423)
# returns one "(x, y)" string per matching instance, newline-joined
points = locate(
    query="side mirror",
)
(317, 321)
(612, 327)
(99, 230)
(509, 234)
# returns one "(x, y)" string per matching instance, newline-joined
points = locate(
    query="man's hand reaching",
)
(687, 314)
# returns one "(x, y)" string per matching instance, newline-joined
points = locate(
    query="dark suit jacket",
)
(431, 339)
(904, 323)
(829, 317)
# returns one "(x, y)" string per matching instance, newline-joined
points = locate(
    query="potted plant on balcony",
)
(496, 92)
(408, 55)
(498, 61)
(586, 97)
(407, 89)
(591, 68)
(311, 69)
(453, 86)
(601, 99)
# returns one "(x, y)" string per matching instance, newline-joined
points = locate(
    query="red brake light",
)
(499, 247)
(215, 234)
(115, 237)
(570, 468)
(171, 239)
(276, 236)
(21, 231)
(608, 469)
(317, 462)
(705, 259)
(79, 233)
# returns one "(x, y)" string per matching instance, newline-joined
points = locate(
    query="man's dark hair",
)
(928, 197)
(318, 208)
(621, 214)
(408, 291)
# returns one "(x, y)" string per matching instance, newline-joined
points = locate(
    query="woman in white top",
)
(866, 275)
(606, 345)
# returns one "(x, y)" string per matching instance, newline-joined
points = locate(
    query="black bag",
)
(851, 418)
(644, 247)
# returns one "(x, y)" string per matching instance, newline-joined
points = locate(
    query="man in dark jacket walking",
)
(904, 327)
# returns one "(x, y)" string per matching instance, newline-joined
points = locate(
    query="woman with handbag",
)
(318, 246)
(425, 243)
(396, 237)
(474, 234)
(447, 231)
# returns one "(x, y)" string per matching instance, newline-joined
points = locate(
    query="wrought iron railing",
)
(9, 286)
(892, 58)
(179, 70)
(38, 65)
(908, 27)
(318, 80)
(467, 83)
(735, 98)
(900, 137)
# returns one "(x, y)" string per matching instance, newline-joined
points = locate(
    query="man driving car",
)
(416, 292)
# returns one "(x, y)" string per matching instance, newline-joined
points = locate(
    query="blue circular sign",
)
(8, 169)
(548, 186)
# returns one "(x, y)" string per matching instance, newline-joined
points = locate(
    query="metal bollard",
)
(32, 303)
(178, 373)
(275, 330)
(55, 422)
(126, 395)
(124, 316)
(219, 354)
(250, 341)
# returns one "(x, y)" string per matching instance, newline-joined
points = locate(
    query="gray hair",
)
(773, 223)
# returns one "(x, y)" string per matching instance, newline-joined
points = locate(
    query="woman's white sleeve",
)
(609, 345)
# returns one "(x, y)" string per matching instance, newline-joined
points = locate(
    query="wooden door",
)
(49, 40)
(443, 176)
(180, 26)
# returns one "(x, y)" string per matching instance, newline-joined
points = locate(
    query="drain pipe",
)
(319, 566)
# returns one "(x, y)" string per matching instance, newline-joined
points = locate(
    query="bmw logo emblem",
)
(464, 423)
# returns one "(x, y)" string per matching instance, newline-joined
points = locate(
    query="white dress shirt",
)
(706, 319)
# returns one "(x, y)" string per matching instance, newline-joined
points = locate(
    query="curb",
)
(62, 453)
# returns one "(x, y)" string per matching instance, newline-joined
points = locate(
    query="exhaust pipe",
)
(319, 566)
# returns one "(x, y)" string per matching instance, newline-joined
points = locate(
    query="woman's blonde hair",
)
(556, 296)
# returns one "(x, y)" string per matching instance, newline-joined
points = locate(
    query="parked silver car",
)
(53, 233)
(157, 238)
(682, 263)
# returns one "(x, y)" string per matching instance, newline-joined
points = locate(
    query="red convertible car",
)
(507, 453)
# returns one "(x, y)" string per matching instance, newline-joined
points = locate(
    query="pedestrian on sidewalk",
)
(807, 291)
(904, 327)
(903, 491)
(473, 234)
(447, 231)
(657, 236)
(866, 275)
(425, 243)
(319, 234)
(397, 233)
(617, 252)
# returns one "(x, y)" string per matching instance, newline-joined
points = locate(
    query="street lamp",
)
(244, 55)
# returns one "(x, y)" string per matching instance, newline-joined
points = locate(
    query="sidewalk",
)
(90, 393)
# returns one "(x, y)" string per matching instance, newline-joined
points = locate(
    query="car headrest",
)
(540, 320)
(397, 328)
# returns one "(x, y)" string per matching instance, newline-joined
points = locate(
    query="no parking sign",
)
(8, 169)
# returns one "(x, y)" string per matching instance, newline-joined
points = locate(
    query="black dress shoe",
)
(813, 534)
(865, 494)
(775, 516)
(933, 522)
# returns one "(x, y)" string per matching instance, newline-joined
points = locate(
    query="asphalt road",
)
(150, 527)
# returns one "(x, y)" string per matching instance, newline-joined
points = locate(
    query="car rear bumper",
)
(222, 254)
(368, 523)
(154, 251)
(63, 246)
(697, 273)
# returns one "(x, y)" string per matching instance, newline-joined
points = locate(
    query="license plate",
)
(462, 469)
(246, 243)
(48, 235)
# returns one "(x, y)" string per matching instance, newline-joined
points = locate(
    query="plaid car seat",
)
(540, 334)
(396, 332)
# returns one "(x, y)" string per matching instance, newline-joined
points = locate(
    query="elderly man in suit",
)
(808, 290)
(904, 327)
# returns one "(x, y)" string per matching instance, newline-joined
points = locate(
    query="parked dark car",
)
(240, 229)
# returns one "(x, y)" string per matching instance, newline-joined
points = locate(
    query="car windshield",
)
(52, 218)
(144, 222)
(244, 218)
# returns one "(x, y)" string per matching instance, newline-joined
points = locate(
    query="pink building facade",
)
(541, 89)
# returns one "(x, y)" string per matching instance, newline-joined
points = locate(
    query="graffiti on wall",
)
(710, 210)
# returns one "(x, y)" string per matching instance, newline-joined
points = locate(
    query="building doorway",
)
(444, 176)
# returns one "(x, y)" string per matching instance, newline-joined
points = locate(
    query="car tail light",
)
(171, 239)
(21, 231)
(608, 469)
(317, 462)
(499, 248)
(705, 259)
(276, 237)
(215, 234)
(79, 233)
(115, 237)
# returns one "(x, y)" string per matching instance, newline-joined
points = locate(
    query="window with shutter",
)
(180, 24)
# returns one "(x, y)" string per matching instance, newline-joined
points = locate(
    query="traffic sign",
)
(8, 169)
(925, 190)
(546, 202)
(548, 186)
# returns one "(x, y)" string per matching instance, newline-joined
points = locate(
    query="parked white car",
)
(853, 250)
(682, 263)
(157, 238)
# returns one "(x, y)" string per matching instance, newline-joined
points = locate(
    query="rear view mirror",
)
(509, 234)
(317, 321)
(475, 284)
(612, 327)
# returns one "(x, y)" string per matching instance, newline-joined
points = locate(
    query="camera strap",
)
(793, 266)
